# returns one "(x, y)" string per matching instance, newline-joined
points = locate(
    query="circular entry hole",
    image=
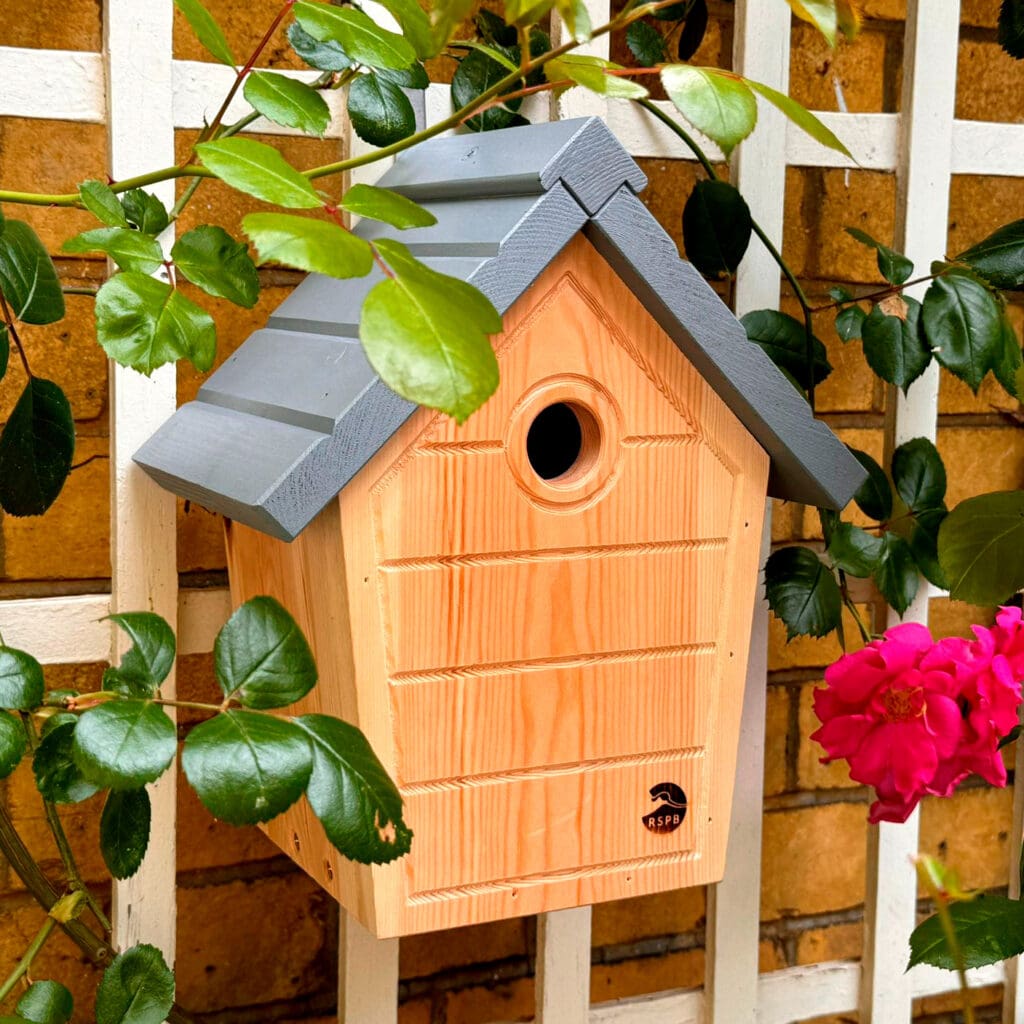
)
(562, 442)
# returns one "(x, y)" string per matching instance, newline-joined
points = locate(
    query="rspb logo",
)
(669, 814)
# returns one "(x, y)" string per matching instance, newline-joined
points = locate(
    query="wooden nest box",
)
(540, 619)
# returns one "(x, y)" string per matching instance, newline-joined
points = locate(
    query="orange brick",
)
(947, 617)
(980, 459)
(641, 917)
(980, 13)
(777, 741)
(197, 682)
(978, 206)
(416, 1011)
(989, 83)
(650, 974)
(52, 25)
(770, 956)
(243, 23)
(836, 942)
(200, 539)
(807, 651)
(811, 773)
(952, 1002)
(800, 872)
(481, 1004)
(817, 70)
(422, 955)
(886, 10)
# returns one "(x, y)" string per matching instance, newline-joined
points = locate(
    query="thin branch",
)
(9, 320)
(26, 961)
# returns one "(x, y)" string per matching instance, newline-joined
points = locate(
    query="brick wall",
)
(257, 940)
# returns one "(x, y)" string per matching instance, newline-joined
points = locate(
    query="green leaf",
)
(352, 795)
(801, 117)
(124, 744)
(27, 276)
(988, 928)
(143, 323)
(36, 449)
(576, 18)
(924, 543)
(357, 34)
(820, 13)
(415, 26)
(379, 111)
(261, 657)
(288, 102)
(855, 550)
(837, 293)
(1000, 257)
(446, 16)
(148, 662)
(802, 592)
(137, 988)
(327, 56)
(1011, 28)
(58, 778)
(896, 573)
(102, 202)
(426, 334)
(850, 323)
(21, 680)
(390, 207)
(124, 831)
(785, 341)
(130, 250)
(145, 211)
(717, 103)
(247, 767)
(207, 31)
(591, 73)
(13, 743)
(258, 170)
(963, 323)
(981, 548)
(893, 266)
(210, 258)
(46, 1002)
(526, 12)
(413, 77)
(646, 43)
(895, 347)
(716, 227)
(874, 497)
(919, 475)
(693, 31)
(306, 244)
(477, 73)
(1011, 360)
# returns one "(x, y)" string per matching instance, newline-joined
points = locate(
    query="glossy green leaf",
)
(1000, 257)
(981, 548)
(13, 743)
(247, 767)
(46, 1002)
(426, 334)
(963, 324)
(801, 117)
(989, 929)
(210, 258)
(785, 340)
(896, 574)
(390, 207)
(124, 831)
(874, 497)
(415, 24)
(207, 31)
(357, 34)
(837, 293)
(646, 44)
(674, 12)
(893, 266)
(576, 18)
(324, 56)
(413, 77)
(102, 202)
(261, 658)
(895, 347)
(58, 778)
(924, 543)
(820, 13)
(137, 988)
(717, 103)
(591, 73)
(352, 795)
(919, 475)
(379, 111)
(145, 211)
(1011, 28)
(21, 680)
(124, 744)
(477, 73)
(28, 277)
(802, 592)
(130, 250)
(36, 448)
(526, 12)
(148, 662)
(716, 228)
(854, 550)
(694, 29)
(143, 323)
(287, 102)
(1010, 364)
(850, 323)
(316, 246)
(259, 170)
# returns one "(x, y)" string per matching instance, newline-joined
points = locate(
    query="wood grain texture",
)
(530, 656)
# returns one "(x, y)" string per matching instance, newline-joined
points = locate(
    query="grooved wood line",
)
(531, 656)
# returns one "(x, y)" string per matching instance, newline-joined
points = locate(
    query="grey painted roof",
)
(293, 415)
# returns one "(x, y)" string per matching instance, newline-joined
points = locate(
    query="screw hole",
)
(329, 871)
(295, 842)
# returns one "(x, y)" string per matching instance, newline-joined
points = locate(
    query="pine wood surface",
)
(530, 657)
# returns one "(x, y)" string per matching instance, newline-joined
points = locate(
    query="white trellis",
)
(142, 95)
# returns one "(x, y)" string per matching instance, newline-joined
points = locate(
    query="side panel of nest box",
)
(540, 619)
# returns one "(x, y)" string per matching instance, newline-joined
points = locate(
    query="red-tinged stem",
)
(9, 319)
(499, 101)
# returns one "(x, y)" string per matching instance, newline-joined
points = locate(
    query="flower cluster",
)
(915, 716)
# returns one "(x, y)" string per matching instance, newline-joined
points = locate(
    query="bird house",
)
(540, 618)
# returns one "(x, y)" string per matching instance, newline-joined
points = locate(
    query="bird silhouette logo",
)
(670, 812)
